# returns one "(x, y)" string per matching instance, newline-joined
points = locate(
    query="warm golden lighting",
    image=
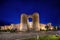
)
(30, 24)
(42, 26)
(26, 25)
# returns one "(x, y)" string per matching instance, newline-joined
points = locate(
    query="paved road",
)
(22, 35)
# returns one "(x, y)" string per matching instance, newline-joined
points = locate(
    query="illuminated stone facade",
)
(26, 25)
(35, 18)
(35, 22)
(42, 26)
(24, 22)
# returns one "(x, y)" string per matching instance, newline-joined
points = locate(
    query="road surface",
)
(22, 35)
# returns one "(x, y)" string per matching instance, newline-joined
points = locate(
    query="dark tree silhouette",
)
(54, 28)
(47, 27)
(0, 27)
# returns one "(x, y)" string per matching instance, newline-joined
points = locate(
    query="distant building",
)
(50, 26)
(42, 26)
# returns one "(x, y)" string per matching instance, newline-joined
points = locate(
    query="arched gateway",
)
(25, 22)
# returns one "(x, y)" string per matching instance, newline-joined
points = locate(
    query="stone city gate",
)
(25, 21)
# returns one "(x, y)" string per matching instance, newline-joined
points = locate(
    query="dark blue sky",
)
(10, 10)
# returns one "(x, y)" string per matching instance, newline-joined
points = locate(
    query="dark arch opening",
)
(30, 19)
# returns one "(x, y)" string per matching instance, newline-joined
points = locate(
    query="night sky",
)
(10, 10)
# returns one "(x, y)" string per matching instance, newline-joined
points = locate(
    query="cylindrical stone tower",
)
(35, 18)
(23, 22)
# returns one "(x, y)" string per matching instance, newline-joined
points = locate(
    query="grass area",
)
(49, 37)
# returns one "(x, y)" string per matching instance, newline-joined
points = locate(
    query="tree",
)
(55, 28)
(0, 27)
(47, 27)
(8, 30)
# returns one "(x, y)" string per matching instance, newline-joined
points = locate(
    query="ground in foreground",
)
(49, 37)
